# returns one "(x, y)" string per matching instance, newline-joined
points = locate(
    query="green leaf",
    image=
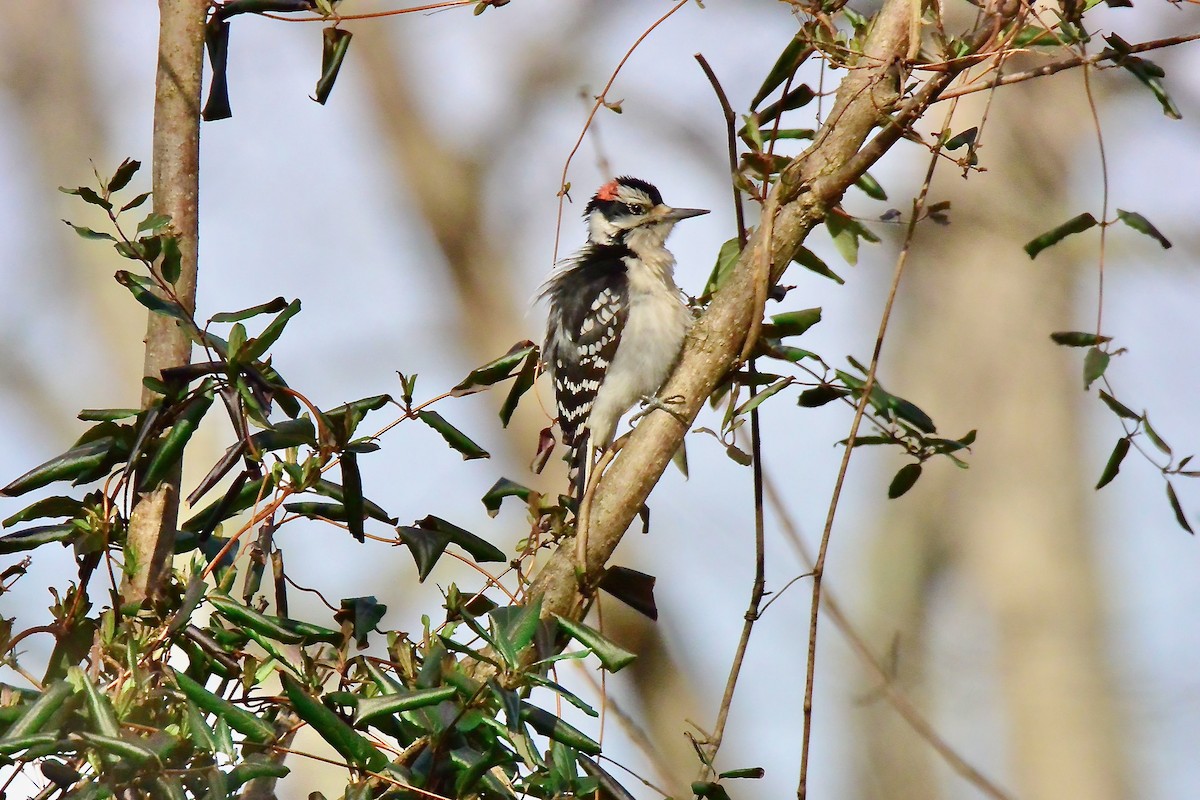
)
(794, 323)
(453, 436)
(100, 710)
(1076, 224)
(748, 772)
(29, 538)
(135, 202)
(353, 496)
(521, 385)
(246, 617)
(198, 731)
(967, 137)
(758, 399)
(170, 451)
(107, 414)
(334, 44)
(39, 713)
(710, 789)
(1117, 407)
(904, 480)
(1145, 71)
(1142, 225)
(88, 233)
(145, 249)
(1180, 517)
(910, 413)
(1094, 364)
(727, 258)
(16, 744)
(795, 54)
(494, 371)
(143, 290)
(364, 613)
(205, 521)
(242, 721)
(58, 506)
(259, 345)
(846, 233)
(237, 342)
(554, 728)
(88, 195)
(479, 549)
(820, 395)
(332, 490)
(154, 223)
(633, 588)
(1078, 338)
(612, 656)
(247, 771)
(127, 750)
(798, 97)
(501, 489)
(123, 175)
(269, 307)
(844, 238)
(870, 187)
(172, 259)
(78, 461)
(809, 260)
(344, 739)
(1114, 462)
(513, 629)
(370, 708)
(426, 548)
(1034, 36)
(1154, 437)
(335, 512)
(344, 420)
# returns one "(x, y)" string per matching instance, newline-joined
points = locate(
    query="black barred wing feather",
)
(588, 309)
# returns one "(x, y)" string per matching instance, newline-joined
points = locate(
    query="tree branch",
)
(176, 156)
(814, 182)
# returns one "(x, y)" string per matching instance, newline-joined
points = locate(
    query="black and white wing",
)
(588, 309)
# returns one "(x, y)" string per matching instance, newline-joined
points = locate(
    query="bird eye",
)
(633, 208)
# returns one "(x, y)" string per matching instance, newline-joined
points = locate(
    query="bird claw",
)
(661, 404)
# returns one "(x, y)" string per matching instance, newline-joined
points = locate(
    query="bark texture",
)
(152, 524)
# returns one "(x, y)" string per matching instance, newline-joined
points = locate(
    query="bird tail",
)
(578, 461)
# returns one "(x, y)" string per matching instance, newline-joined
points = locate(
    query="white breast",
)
(653, 334)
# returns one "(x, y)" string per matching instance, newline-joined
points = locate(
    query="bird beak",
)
(668, 214)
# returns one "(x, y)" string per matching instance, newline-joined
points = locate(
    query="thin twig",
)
(600, 99)
(1091, 99)
(895, 696)
(731, 139)
(394, 12)
(859, 411)
(633, 731)
(1066, 63)
(756, 591)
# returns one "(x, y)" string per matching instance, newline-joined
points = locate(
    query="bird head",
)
(627, 207)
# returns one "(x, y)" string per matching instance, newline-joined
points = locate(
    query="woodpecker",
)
(617, 320)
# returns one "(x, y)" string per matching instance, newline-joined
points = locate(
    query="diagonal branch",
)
(814, 182)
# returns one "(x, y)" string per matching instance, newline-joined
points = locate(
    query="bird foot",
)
(661, 404)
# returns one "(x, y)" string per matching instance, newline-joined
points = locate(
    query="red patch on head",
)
(608, 191)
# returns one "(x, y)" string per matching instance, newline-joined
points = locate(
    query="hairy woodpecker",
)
(617, 319)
